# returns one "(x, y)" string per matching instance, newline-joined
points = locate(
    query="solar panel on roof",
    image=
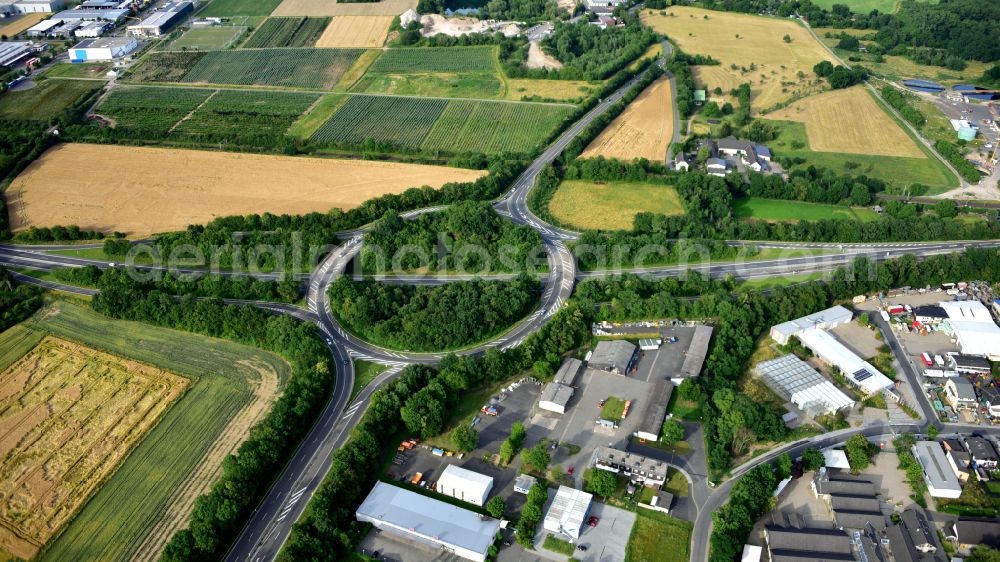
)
(862, 375)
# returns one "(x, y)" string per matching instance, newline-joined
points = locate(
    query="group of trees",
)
(840, 76)
(512, 444)
(731, 524)
(816, 186)
(431, 318)
(327, 531)
(901, 103)
(469, 236)
(246, 475)
(954, 155)
(241, 287)
(17, 301)
(531, 515)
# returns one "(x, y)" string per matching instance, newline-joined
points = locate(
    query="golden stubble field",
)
(330, 8)
(849, 121)
(643, 130)
(142, 191)
(16, 24)
(355, 32)
(754, 44)
(69, 414)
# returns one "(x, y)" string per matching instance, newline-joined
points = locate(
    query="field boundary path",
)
(192, 112)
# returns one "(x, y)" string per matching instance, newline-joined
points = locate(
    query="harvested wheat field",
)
(849, 121)
(643, 130)
(754, 44)
(69, 414)
(355, 31)
(151, 190)
(16, 24)
(330, 8)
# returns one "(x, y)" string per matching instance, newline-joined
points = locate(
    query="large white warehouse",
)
(431, 522)
(974, 328)
(858, 372)
(465, 485)
(822, 320)
(795, 380)
(567, 512)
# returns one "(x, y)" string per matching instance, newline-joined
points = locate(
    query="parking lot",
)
(666, 361)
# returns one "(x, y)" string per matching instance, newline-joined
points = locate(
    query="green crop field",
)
(793, 143)
(435, 124)
(254, 117)
(792, 211)
(208, 38)
(239, 8)
(435, 59)
(865, 6)
(494, 127)
(657, 537)
(287, 32)
(611, 205)
(402, 122)
(148, 110)
(452, 72)
(45, 100)
(116, 519)
(302, 68)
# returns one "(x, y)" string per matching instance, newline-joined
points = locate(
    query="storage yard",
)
(849, 121)
(643, 130)
(740, 39)
(70, 415)
(160, 190)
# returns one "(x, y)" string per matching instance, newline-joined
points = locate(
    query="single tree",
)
(465, 438)
(496, 507)
(812, 459)
(673, 431)
(602, 483)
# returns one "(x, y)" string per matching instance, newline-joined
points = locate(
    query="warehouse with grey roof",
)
(615, 357)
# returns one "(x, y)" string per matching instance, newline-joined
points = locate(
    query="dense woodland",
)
(431, 318)
(469, 236)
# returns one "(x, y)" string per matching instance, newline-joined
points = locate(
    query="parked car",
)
(570, 471)
(593, 521)
(582, 548)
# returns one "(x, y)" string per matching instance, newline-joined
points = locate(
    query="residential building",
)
(822, 320)
(615, 357)
(788, 544)
(914, 540)
(681, 162)
(990, 396)
(930, 315)
(754, 156)
(103, 49)
(639, 469)
(958, 458)
(794, 380)
(968, 532)
(656, 410)
(567, 513)
(601, 6)
(983, 453)
(465, 485)
(960, 393)
(430, 522)
(716, 167)
(939, 476)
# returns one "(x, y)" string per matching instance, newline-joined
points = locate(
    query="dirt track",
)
(141, 191)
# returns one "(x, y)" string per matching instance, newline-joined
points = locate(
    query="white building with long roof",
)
(567, 512)
(973, 328)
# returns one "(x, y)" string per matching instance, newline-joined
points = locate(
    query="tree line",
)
(952, 154)
(327, 529)
(246, 475)
(206, 285)
(469, 236)
(431, 318)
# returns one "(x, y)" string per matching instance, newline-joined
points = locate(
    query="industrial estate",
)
(507, 280)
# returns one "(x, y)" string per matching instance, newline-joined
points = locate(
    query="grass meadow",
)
(45, 100)
(774, 210)
(657, 537)
(113, 523)
(612, 205)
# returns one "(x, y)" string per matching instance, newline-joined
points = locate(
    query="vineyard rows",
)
(431, 59)
(150, 111)
(440, 125)
(288, 32)
(256, 118)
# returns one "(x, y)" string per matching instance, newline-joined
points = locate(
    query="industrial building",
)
(939, 476)
(970, 364)
(12, 52)
(639, 469)
(860, 373)
(428, 521)
(465, 485)
(796, 544)
(973, 328)
(160, 21)
(656, 410)
(794, 380)
(567, 512)
(822, 320)
(555, 397)
(103, 48)
(615, 357)
(854, 501)
(81, 15)
(696, 353)
(9, 8)
(92, 29)
(960, 393)
(914, 539)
